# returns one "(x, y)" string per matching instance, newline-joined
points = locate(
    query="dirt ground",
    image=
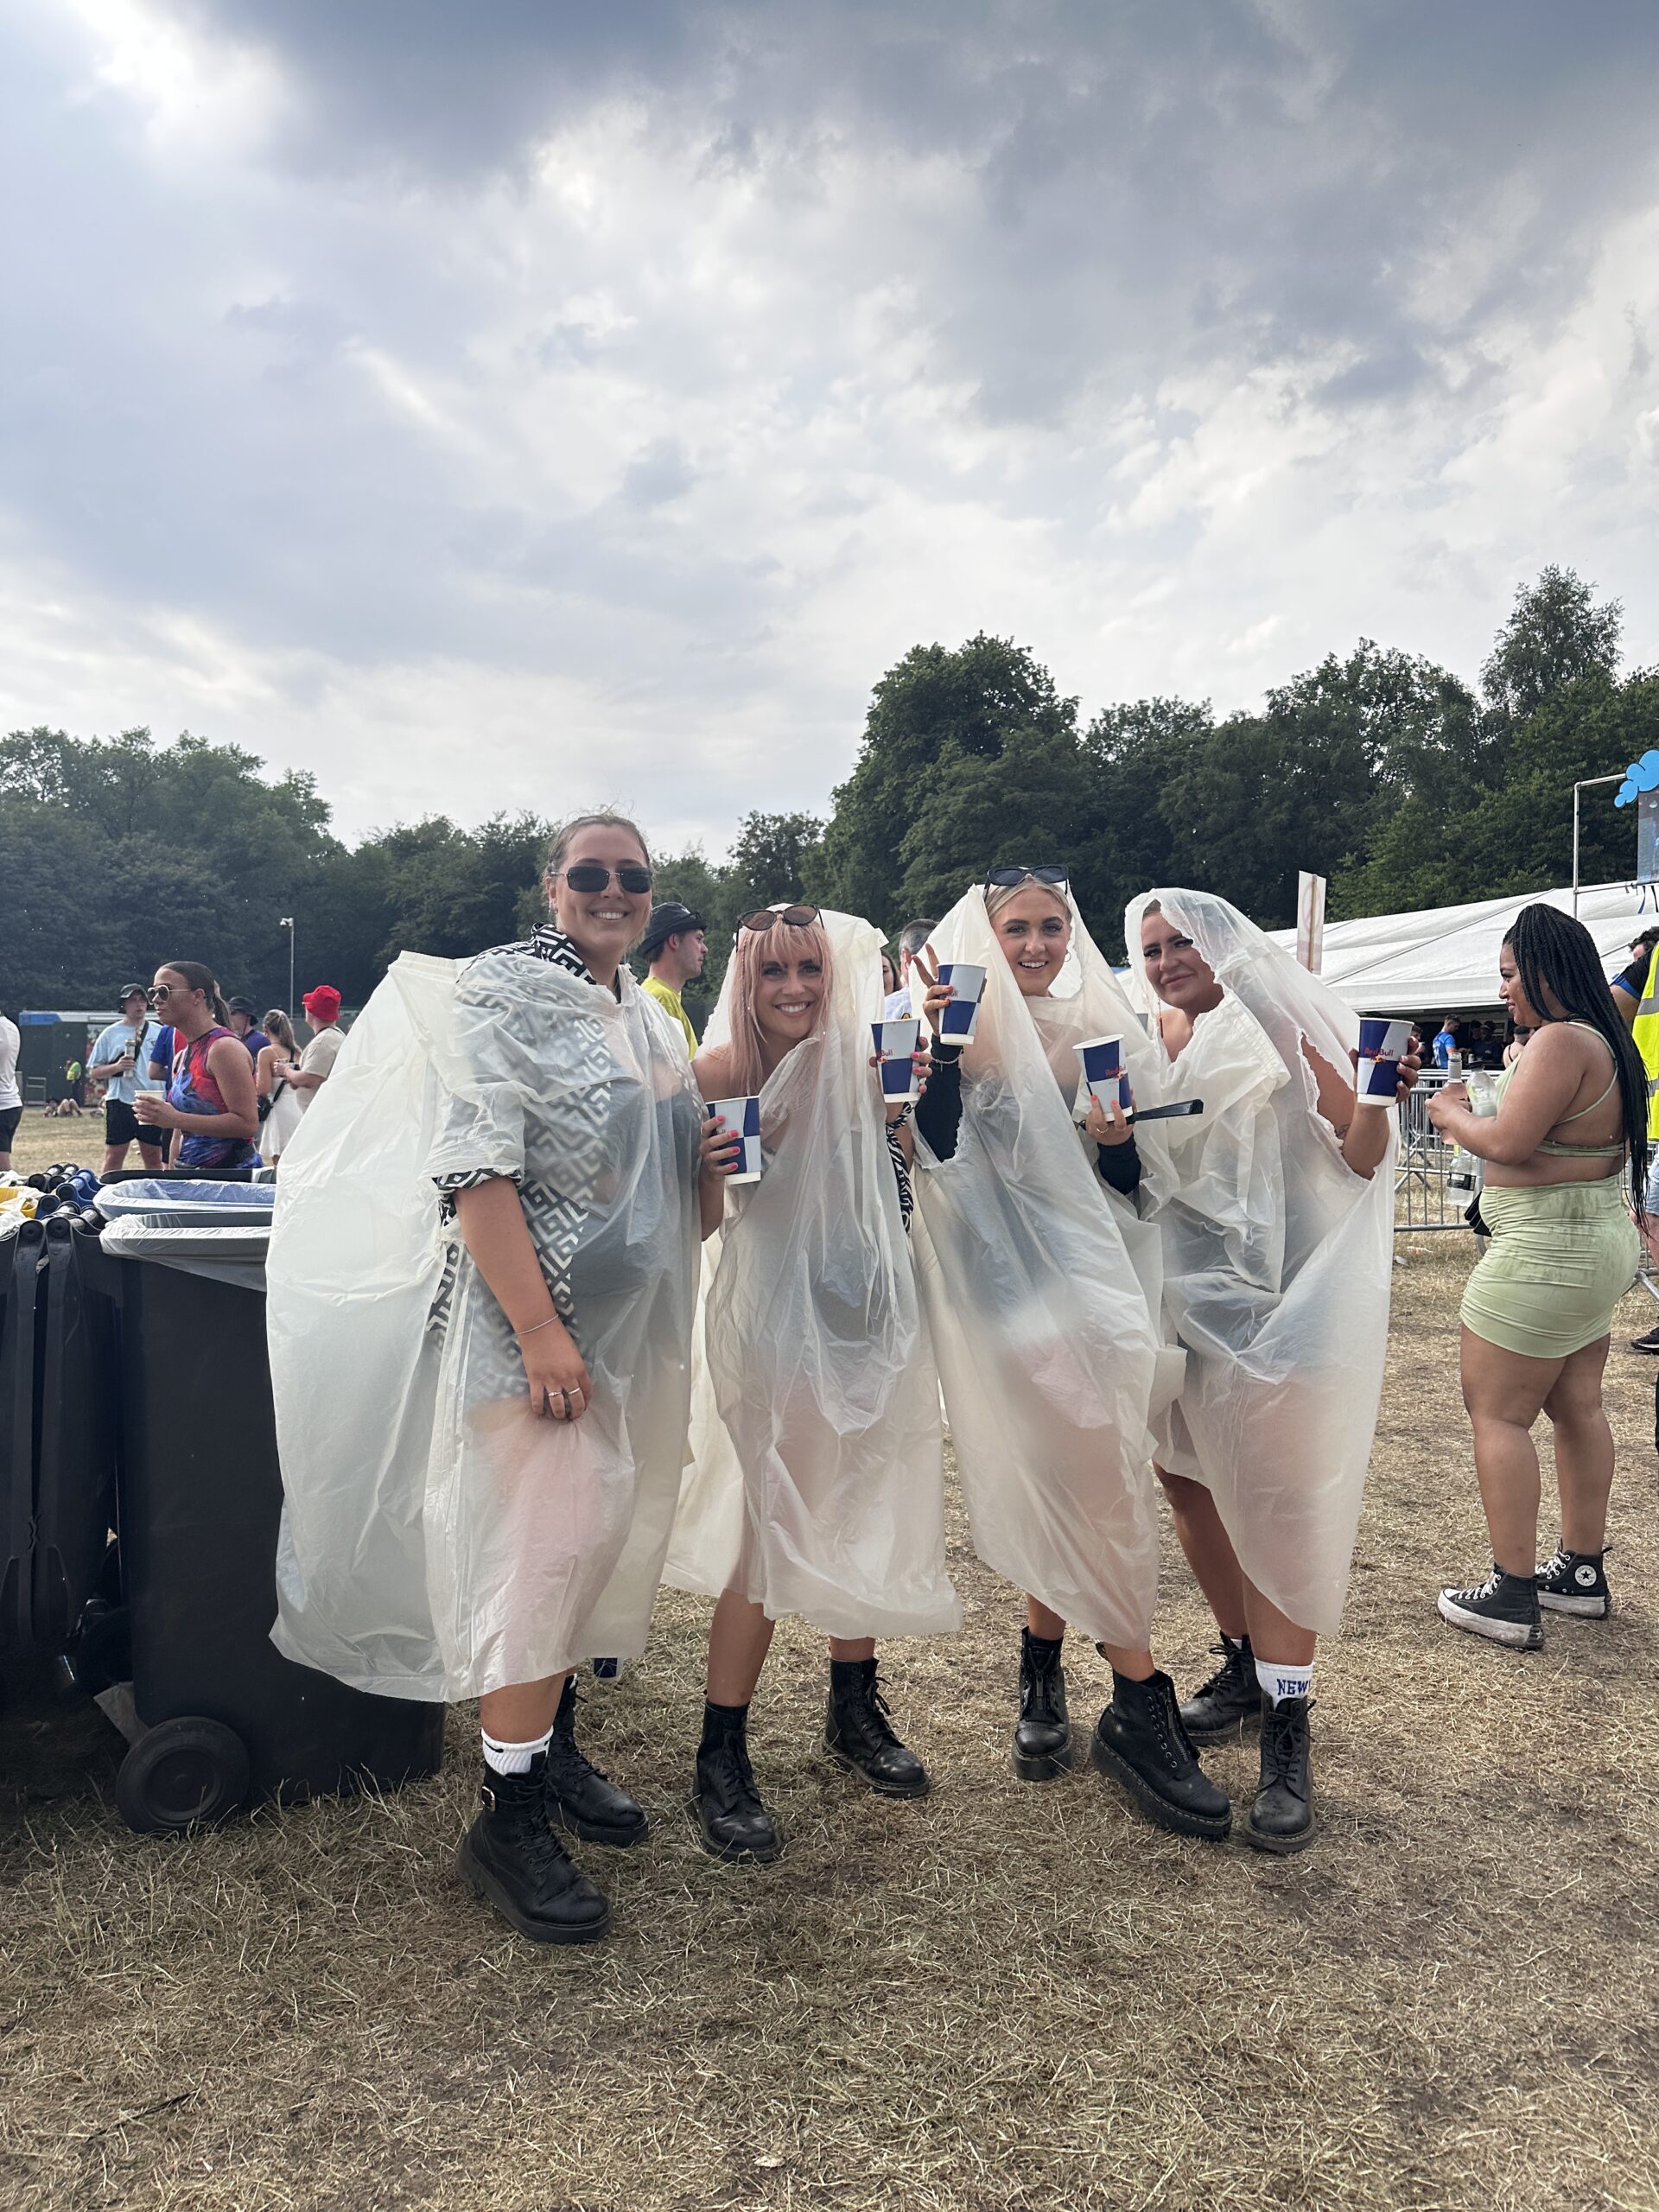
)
(1007, 1996)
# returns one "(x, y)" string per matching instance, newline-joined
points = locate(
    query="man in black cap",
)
(121, 1058)
(673, 949)
(242, 1013)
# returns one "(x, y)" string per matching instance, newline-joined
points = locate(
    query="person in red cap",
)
(316, 1063)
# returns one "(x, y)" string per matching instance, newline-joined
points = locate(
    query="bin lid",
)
(172, 1195)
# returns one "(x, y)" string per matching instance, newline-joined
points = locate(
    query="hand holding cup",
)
(1108, 1118)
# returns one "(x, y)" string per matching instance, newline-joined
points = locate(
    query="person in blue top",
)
(244, 1022)
(122, 1056)
(1445, 1041)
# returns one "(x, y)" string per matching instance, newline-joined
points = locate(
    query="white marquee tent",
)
(1444, 960)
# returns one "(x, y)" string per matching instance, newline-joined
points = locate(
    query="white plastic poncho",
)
(439, 1539)
(817, 1481)
(1278, 1264)
(1042, 1296)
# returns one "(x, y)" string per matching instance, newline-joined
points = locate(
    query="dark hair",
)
(202, 979)
(1555, 957)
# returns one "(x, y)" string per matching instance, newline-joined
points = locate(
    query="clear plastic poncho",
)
(1042, 1296)
(816, 1482)
(439, 1539)
(1278, 1265)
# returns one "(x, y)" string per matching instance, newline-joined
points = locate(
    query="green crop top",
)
(1557, 1150)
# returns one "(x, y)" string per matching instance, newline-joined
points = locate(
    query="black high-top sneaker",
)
(1504, 1608)
(1042, 1735)
(1281, 1820)
(732, 1821)
(511, 1857)
(580, 1799)
(1138, 1741)
(858, 1734)
(1231, 1697)
(1575, 1582)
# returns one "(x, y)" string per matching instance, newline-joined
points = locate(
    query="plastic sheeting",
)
(439, 1539)
(1278, 1266)
(188, 1198)
(1042, 1295)
(226, 1253)
(816, 1483)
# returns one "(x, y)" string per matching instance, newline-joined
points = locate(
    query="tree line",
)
(1405, 784)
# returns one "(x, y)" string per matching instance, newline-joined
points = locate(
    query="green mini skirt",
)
(1562, 1258)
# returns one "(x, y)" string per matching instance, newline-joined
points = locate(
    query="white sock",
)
(513, 1758)
(1280, 1682)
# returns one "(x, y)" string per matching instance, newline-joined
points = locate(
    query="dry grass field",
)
(1005, 1996)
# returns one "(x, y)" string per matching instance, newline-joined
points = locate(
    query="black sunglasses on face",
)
(1003, 878)
(588, 876)
(798, 917)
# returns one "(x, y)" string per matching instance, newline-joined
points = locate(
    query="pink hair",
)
(748, 955)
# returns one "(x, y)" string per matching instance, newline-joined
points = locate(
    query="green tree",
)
(1555, 635)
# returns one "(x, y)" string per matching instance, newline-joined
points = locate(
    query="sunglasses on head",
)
(1004, 879)
(798, 917)
(588, 876)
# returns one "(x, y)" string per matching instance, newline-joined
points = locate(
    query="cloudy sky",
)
(517, 403)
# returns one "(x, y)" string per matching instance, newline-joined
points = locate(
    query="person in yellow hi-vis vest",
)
(1636, 994)
(673, 949)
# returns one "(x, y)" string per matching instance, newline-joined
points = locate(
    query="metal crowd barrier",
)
(1422, 1196)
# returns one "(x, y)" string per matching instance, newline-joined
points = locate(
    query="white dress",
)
(439, 1539)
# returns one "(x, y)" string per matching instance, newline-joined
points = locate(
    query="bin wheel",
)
(180, 1773)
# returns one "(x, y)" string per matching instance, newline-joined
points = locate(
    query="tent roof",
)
(1444, 959)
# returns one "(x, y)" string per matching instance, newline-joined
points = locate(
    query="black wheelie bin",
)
(219, 1716)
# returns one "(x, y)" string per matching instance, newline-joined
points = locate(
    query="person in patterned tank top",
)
(210, 1099)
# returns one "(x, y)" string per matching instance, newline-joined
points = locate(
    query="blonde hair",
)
(277, 1025)
(602, 817)
(747, 1047)
(1000, 894)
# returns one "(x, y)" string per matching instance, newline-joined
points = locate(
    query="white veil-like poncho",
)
(1278, 1265)
(816, 1483)
(439, 1539)
(1042, 1296)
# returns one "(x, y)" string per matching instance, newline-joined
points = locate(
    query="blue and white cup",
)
(961, 1017)
(1381, 1047)
(896, 1042)
(742, 1120)
(1102, 1070)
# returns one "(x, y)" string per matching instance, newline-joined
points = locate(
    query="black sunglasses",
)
(798, 917)
(588, 876)
(157, 993)
(1004, 879)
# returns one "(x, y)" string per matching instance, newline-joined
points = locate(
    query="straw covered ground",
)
(1005, 1997)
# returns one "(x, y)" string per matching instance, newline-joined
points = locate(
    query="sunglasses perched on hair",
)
(1004, 879)
(588, 876)
(798, 917)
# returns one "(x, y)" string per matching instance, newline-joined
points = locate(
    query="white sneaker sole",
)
(1521, 1635)
(1591, 1609)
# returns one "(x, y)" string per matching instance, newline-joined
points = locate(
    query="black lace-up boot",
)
(1042, 1735)
(858, 1733)
(1231, 1697)
(1281, 1820)
(727, 1807)
(511, 1859)
(580, 1799)
(1138, 1741)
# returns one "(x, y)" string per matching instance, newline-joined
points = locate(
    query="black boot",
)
(1042, 1735)
(1138, 1741)
(580, 1799)
(858, 1733)
(511, 1858)
(1231, 1697)
(731, 1819)
(1281, 1820)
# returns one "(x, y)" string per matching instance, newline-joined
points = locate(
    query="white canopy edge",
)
(1444, 959)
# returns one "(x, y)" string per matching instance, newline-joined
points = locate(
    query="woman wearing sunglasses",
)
(1043, 1297)
(817, 1486)
(209, 1101)
(1278, 1257)
(481, 1458)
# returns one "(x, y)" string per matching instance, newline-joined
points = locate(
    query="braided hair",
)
(1555, 958)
